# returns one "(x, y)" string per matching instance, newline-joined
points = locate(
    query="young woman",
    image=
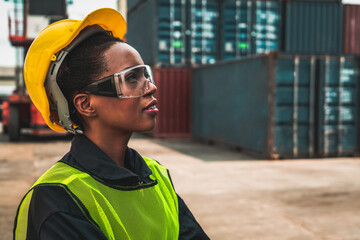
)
(84, 79)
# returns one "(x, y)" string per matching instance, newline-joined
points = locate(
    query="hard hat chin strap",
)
(57, 100)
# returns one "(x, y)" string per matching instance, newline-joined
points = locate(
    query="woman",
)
(84, 79)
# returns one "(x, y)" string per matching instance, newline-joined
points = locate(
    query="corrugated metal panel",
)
(338, 120)
(142, 31)
(314, 27)
(228, 104)
(352, 29)
(173, 94)
(131, 4)
(279, 105)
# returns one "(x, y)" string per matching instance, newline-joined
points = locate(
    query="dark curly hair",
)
(82, 66)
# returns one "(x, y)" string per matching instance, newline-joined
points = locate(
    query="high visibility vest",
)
(145, 211)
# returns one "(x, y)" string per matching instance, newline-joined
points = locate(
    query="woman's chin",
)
(148, 128)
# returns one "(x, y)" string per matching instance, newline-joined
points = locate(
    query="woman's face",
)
(127, 114)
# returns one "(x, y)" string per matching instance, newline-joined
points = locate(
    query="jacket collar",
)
(88, 157)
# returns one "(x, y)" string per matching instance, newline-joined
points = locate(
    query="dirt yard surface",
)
(233, 196)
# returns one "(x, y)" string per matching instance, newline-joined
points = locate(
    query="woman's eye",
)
(131, 78)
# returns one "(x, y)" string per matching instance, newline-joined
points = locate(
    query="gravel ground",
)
(233, 196)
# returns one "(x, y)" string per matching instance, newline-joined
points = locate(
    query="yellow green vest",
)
(144, 212)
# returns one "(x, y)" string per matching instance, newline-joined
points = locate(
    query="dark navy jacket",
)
(54, 215)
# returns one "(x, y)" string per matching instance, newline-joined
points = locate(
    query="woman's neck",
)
(113, 145)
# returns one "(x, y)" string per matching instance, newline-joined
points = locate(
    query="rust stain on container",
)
(173, 95)
(352, 29)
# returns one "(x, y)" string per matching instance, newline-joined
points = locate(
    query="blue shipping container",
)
(175, 32)
(314, 27)
(250, 27)
(157, 29)
(276, 105)
(204, 31)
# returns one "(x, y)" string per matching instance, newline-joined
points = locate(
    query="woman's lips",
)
(151, 108)
(152, 111)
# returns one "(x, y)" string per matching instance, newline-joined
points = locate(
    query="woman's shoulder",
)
(49, 203)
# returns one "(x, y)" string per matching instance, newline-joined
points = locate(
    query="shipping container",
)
(314, 27)
(174, 97)
(156, 29)
(176, 32)
(204, 31)
(250, 27)
(133, 4)
(351, 29)
(279, 106)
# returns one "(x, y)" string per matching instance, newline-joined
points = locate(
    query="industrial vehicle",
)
(25, 21)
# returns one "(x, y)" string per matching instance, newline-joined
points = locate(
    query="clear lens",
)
(134, 82)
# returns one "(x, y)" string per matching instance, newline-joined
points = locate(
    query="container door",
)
(266, 30)
(338, 106)
(171, 32)
(236, 28)
(294, 103)
(204, 17)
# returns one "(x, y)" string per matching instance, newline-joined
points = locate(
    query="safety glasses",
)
(130, 83)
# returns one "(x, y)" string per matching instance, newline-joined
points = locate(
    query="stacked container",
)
(313, 27)
(175, 32)
(351, 29)
(250, 27)
(279, 105)
(299, 102)
(236, 29)
(160, 40)
(181, 32)
(203, 28)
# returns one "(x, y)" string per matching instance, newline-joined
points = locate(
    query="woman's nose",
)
(150, 89)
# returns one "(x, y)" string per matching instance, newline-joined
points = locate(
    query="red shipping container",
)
(351, 38)
(174, 98)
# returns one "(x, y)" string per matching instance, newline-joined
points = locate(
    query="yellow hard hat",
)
(47, 52)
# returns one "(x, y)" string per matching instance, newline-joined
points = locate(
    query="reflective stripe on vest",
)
(146, 211)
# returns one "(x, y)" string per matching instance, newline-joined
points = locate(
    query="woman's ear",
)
(82, 103)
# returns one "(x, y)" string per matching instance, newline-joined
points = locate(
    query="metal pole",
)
(122, 8)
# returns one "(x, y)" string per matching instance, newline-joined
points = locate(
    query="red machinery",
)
(26, 20)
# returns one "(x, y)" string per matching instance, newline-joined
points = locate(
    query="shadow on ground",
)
(201, 150)
(27, 138)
